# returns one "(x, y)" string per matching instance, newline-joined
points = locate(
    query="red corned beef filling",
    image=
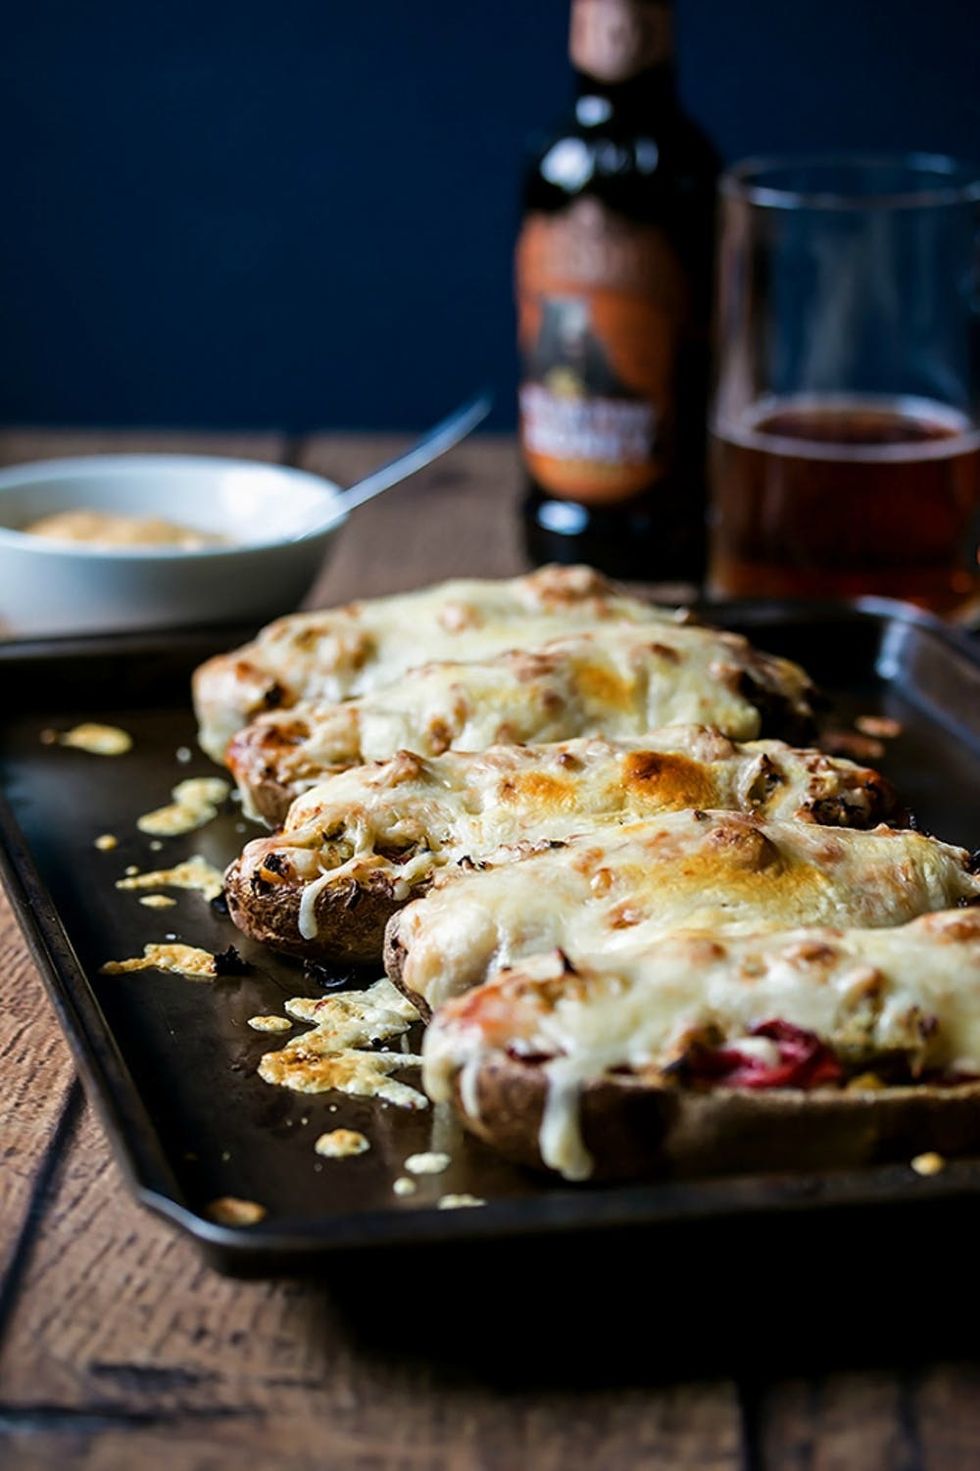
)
(804, 1061)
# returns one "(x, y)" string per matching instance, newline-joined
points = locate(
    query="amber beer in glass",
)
(845, 433)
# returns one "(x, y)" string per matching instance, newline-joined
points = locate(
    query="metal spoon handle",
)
(434, 442)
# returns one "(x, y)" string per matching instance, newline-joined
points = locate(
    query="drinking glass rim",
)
(737, 181)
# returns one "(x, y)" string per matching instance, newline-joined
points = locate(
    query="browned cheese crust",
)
(372, 838)
(618, 682)
(336, 653)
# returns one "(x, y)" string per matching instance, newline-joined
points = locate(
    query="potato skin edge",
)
(347, 933)
(634, 1129)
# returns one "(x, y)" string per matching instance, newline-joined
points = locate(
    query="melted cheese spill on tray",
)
(342, 1144)
(331, 1056)
(182, 960)
(360, 1074)
(196, 802)
(270, 1024)
(230, 1211)
(354, 1018)
(98, 740)
(158, 901)
(194, 873)
(432, 1162)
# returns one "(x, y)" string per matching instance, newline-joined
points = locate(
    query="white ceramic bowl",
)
(279, 523)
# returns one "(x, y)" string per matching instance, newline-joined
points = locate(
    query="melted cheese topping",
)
(183, 960)
(158, 901)
(617, 682)
(196, 802)
(105, 842)
(608, 891)
(194, 873)
(394, 826)
(98, 740)
(341, 652)
(458, 1202)
(342, 1144)
(913, 991)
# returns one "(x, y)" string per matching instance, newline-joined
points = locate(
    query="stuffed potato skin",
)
(375, 837)
(673, 1057)
(613, 891)
(618, 682)
(339, 653)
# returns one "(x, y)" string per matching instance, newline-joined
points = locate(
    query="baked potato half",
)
(336, 653)
(618, 682)
(700, 1054)
(362, 843)
(610, 891)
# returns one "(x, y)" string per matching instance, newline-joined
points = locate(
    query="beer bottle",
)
(613, 280)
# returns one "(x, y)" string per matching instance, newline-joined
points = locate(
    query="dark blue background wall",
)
(300, 212)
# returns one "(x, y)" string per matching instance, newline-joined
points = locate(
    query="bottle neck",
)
(650, 92)
(623, 52)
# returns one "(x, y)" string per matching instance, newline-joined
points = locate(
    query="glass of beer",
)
(845, 422)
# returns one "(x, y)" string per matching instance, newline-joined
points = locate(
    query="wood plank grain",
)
(18, 445)
(674, 1428)
(457, 518)
(836, 1423)
(947, 1417)
(37, 1073)
(117, 1318)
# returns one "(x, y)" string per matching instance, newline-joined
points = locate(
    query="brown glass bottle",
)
(613, 279)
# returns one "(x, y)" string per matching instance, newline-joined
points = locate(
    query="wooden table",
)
(119, 1349)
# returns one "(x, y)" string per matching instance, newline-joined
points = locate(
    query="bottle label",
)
(602, 306)
(613, 40)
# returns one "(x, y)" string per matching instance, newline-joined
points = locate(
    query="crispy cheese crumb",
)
(852, 744)
(881, 726)
(105, 842)
(195, 802)
(458, 1202)
(342, 1144)
(194, 873)
(404, 1186)
(182, 960)
(157, 901)
(98, 740)
(228, 1210)
(929, 1163)
(433, 1162)
(865, 1083)
(270, 1023)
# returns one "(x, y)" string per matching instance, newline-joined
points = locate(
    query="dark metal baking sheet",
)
(171, 1063)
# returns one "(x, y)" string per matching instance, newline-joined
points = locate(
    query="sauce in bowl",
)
(111, 529)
